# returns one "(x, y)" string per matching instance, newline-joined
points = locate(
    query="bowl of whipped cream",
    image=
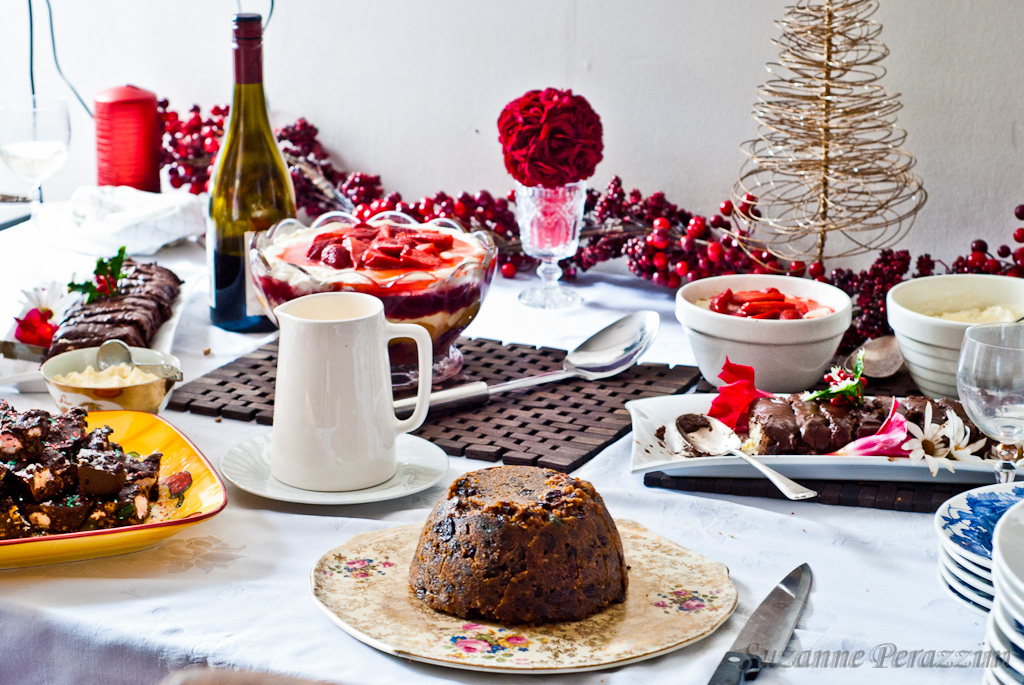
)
(74, 379)
(930, 315)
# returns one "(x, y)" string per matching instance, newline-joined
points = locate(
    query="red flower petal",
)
(735, 396)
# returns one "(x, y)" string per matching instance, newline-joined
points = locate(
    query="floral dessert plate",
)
(978, 597)
(190, 492)
(421, 464)
(675, 598)
(961, 599)
(652, 454)
(965, 522)
(963, 574)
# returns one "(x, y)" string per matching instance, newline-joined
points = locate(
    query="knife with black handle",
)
(767, 632)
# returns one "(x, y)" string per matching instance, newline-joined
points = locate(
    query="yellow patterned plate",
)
(675, 598)
(190, 492)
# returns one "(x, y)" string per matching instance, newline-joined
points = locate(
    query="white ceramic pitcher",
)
(334, 420)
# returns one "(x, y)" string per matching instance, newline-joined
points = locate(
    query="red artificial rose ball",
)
(550, 138)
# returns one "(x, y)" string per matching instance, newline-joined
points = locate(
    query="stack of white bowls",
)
(1005, 632)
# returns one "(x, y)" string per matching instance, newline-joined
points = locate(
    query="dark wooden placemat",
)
(919, 497)
(559, 426)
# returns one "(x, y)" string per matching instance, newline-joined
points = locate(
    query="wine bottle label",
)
(252, 300)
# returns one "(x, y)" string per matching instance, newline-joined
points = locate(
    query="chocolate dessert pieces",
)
(789, 425)
(519, 544)
(144, 300)
(56, 478)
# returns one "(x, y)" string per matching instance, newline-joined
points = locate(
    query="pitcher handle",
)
(425, 363)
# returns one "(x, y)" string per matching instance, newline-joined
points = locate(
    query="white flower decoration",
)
(53, 296)
(959, 436)
(927, 443)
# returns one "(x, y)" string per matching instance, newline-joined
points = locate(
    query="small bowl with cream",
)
(74, 380)
(930, 315)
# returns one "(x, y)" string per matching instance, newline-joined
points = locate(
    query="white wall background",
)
(412, 89)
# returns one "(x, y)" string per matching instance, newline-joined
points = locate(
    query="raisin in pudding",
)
(432, 274)
(520, 544)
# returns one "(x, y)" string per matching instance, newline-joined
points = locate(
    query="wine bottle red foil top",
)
(248, 48)
(128, 131)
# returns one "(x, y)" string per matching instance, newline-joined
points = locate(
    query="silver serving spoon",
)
(882, 357)
(115, 352)
(714, 438)
(611, 350)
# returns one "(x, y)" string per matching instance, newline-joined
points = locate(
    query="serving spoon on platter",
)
(709, 436)
(114, 352)
(611, 350)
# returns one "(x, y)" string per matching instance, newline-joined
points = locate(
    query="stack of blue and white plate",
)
(965, 524)
(1005, 632)
(981, 565)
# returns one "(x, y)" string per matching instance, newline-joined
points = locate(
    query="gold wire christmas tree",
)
(829, 161)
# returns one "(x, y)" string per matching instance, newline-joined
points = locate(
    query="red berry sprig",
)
(190, 144)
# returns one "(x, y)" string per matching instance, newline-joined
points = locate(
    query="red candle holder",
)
(128, 132)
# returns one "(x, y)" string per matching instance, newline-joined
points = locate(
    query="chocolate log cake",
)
(57, 478)
(789, 425)
(144, 300)
(519, 544)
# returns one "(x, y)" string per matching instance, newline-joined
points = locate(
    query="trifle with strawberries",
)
(432, 274)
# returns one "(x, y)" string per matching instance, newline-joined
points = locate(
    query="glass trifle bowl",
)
(434, 274)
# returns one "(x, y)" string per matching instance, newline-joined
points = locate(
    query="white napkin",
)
(98, 220)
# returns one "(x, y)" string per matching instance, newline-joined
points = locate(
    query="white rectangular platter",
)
(650, 454)
(24, 376)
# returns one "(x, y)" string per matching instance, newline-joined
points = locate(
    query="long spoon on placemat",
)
(611, 350)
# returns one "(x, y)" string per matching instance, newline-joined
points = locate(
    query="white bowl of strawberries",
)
(788, 329)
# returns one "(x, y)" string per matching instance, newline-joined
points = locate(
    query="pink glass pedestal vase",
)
(549, 221)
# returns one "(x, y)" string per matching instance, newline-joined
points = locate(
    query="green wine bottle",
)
(251, 189)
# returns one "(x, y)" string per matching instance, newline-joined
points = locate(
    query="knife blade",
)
(22, 351)
(763, 639)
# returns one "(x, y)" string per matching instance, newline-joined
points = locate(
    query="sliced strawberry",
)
(362, 232)
(766, 295)
(444, 241)
(335, 255)
(418, 259)
(356, 248)
(429, 248)
(392, 248)
(317, 248)
(374, 259)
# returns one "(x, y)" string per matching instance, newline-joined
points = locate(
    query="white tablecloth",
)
(234, 590)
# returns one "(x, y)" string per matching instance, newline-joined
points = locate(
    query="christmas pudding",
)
(432, 274)
(519, 544)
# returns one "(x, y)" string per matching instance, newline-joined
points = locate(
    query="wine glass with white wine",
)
(34, 135)
(990, 382)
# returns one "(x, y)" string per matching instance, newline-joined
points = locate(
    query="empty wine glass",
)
(549, 228)
(990, 382)
(34, 135)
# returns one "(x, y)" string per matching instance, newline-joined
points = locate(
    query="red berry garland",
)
(661, 241)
